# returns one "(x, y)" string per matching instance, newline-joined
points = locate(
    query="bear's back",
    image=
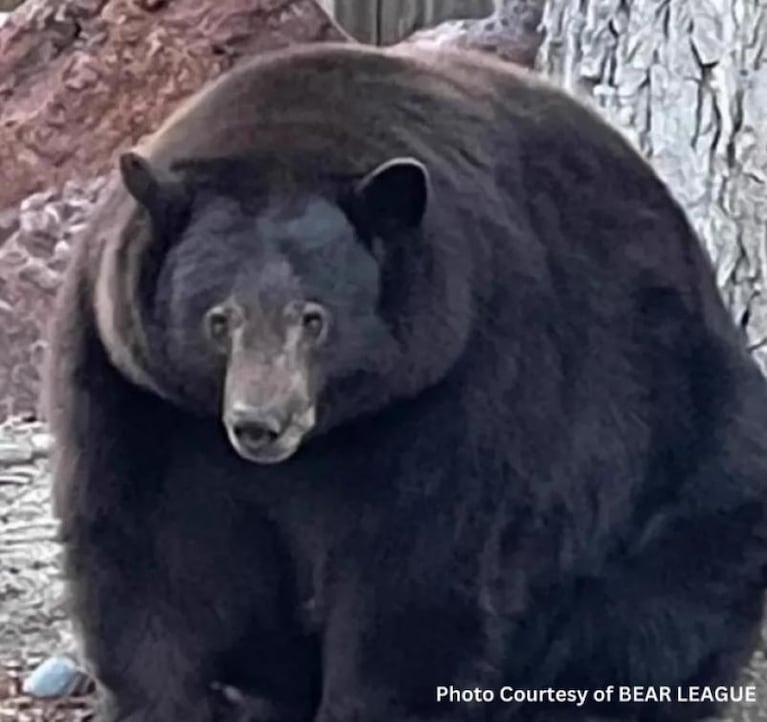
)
(481, 126)
(335, 101)
(344, 108)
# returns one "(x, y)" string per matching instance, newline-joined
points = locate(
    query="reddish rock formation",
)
(34, 246)
(79, 81)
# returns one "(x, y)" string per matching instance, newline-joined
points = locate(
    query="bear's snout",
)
(266, 435)
(255, 429)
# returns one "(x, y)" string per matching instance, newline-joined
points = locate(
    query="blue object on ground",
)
(56, 677)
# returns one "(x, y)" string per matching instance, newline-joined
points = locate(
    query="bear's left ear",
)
(393, 196)
(161, 195)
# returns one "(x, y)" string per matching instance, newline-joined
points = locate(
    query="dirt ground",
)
(32, 617)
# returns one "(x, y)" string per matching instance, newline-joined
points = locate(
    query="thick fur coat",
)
(531, 447)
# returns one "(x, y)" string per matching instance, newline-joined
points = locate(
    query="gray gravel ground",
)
(32, 617)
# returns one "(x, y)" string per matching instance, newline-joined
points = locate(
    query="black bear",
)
(381, 371)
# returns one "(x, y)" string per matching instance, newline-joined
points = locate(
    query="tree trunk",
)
(686, 80)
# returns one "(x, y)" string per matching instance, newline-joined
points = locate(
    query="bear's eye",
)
(314, 320)
(217, 326)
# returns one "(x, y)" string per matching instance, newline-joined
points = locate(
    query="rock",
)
(511, 32)
(56, 677)
(12, 453)
(33, 253)
(32, 609)
(79, 82)
(42, 444)
(9, 223)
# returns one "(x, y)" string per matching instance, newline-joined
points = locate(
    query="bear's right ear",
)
(161, 196)
(393, 196)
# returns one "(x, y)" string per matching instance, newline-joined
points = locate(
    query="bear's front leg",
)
(124, 599)
(148, 666)
(196, 708)
(390, 644)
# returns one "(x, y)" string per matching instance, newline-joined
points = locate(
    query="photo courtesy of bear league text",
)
(607, 695)
(394, 384)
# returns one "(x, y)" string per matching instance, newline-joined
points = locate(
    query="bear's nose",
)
(254, 428)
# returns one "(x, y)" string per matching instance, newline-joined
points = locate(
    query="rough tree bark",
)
(687, 81)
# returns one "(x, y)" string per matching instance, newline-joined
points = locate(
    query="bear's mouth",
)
(271, 448)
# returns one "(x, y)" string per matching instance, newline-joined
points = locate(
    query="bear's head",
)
(288, 307)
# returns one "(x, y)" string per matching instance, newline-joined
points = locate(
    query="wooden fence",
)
(383, 22)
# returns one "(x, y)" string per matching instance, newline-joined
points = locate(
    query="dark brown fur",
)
(561, 483)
